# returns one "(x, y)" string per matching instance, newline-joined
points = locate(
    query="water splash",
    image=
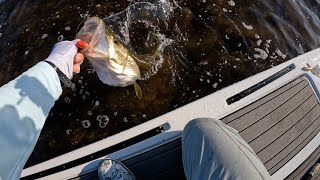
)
(152, 18)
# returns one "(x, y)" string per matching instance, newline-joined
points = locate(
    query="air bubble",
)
(68, 131)
(105, 118)
(102, 125)
(231, 3)
(215, 85)
(86, 123)
(44, 36)
(96, 103)
(103, 121)
(60, 38)
(67, 100)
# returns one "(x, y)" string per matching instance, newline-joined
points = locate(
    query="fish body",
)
(114, 64)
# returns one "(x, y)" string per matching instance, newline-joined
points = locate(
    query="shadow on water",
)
(201, 46)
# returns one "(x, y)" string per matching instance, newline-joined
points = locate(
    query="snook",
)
(113, 62)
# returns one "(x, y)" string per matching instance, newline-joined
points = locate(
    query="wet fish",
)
(113, 62)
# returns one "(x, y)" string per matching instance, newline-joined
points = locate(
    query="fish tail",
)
(137, 89)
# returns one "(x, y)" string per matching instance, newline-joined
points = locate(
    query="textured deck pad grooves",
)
(280, 124)
(298, 83)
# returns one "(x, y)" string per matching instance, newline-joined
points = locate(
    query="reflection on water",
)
(191, 49)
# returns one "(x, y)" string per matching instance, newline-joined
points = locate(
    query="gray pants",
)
(214, 150)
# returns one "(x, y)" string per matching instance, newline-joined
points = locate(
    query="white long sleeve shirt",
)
(24, 106)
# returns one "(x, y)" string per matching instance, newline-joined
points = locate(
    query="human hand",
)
(66, 57)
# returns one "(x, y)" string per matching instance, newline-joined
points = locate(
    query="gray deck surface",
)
(276, 126)
(280, 124)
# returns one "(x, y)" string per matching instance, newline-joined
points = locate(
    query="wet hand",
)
(66, 57)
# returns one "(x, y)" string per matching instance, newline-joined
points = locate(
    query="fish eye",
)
(115, 42)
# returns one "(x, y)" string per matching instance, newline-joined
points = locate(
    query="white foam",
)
(44, 36)
(249, 27)
(262, 54)
(231, 3)
(259, 42)
(281, 54)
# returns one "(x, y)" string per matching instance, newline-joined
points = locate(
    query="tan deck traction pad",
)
(280, 124)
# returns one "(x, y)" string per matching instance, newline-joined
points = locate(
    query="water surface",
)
(198, 46)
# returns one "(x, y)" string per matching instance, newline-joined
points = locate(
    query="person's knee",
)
(199, 123)
(212, 142)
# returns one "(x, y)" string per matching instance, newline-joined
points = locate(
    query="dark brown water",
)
(201, 47)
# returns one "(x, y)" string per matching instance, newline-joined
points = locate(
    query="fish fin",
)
(138, 90)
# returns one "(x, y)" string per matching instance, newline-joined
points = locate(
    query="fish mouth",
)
(91, 32)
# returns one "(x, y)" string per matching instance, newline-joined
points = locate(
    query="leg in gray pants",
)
(214, 150)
